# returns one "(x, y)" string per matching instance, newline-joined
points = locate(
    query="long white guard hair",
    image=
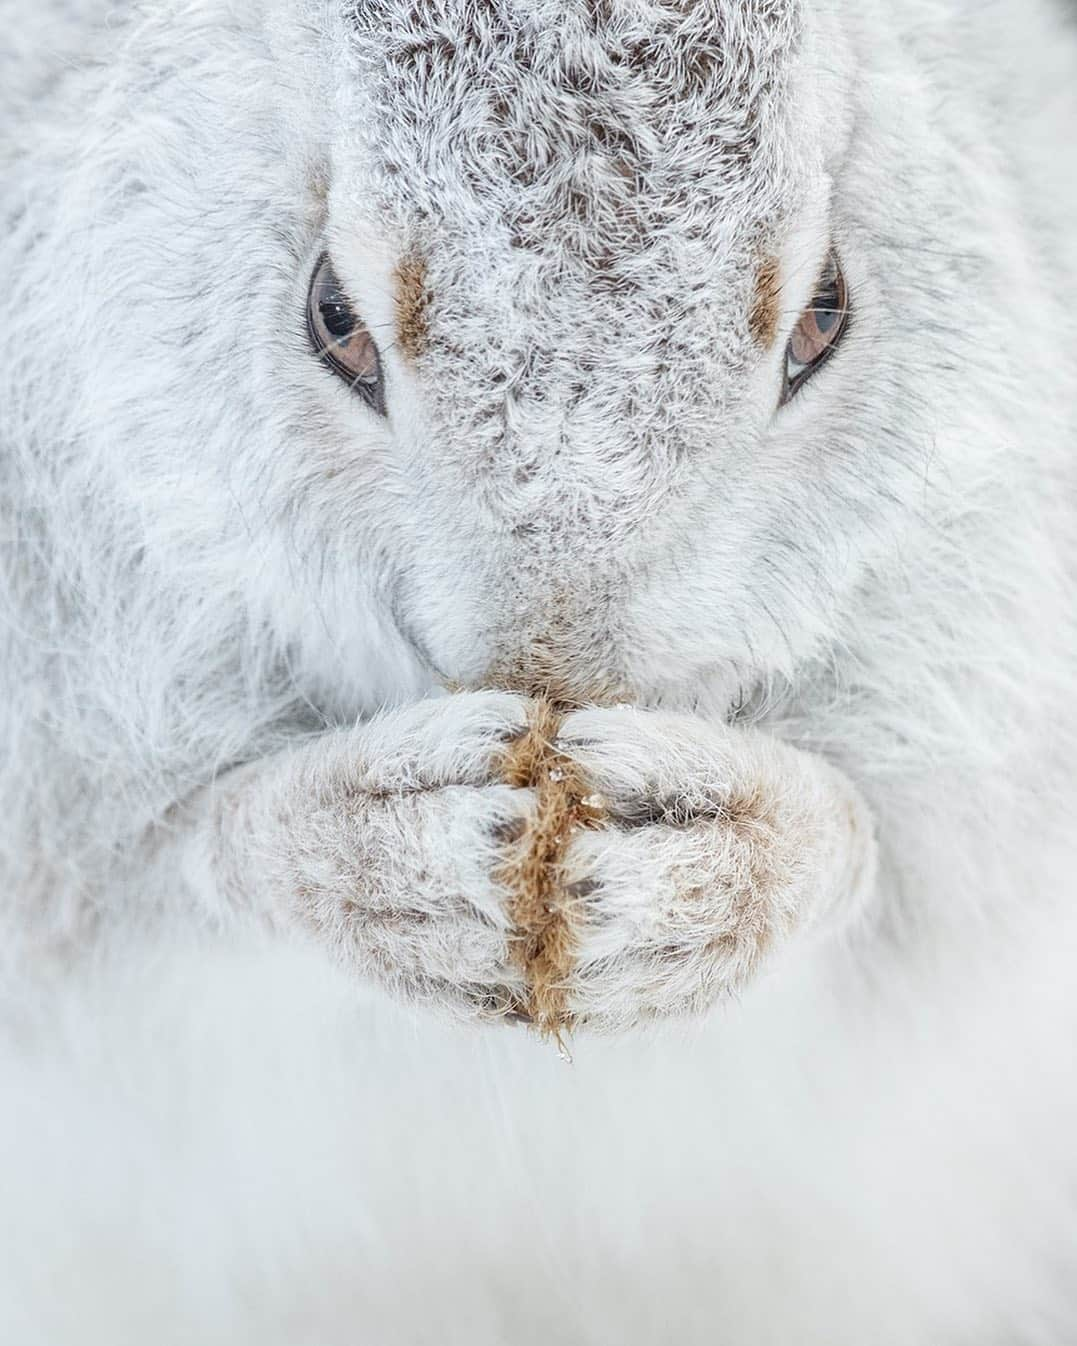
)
(589, 854)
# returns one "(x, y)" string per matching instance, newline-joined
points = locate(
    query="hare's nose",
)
(567, 668)
(570, 660)
(531, 629)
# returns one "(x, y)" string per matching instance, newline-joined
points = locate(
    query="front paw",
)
(388, 844)
(494, 855)
(664, 857)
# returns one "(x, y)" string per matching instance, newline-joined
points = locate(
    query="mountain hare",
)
(539, 529)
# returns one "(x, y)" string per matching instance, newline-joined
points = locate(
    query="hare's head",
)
(568, 246)
(562, 309)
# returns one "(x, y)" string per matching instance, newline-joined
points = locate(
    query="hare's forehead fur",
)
(587, 193)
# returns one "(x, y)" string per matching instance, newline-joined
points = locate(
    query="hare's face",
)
(563, 251)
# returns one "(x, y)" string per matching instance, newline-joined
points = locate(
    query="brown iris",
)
(341, 340)
(819, 330)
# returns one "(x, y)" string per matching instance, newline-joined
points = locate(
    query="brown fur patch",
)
(412, 306)
(545, 914)
(570, 691)
(766, 307)
(556, 665)
(755, 825)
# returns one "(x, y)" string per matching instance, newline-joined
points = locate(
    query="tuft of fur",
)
(766, 310)
(542, 911)
(412, 303)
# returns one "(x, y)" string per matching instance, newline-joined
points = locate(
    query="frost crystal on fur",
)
(290, 836)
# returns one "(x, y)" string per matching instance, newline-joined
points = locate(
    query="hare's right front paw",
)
(394, 838)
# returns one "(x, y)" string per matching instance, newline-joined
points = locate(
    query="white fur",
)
(231, 597)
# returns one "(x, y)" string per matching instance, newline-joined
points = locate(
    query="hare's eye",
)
(339, 338)
(821, 327)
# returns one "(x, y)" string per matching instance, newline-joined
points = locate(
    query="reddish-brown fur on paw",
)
(545, 915)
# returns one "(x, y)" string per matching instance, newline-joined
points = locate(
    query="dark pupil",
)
(337, 318)
(826, 309)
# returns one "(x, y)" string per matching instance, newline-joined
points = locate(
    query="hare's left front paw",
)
(666, 856)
